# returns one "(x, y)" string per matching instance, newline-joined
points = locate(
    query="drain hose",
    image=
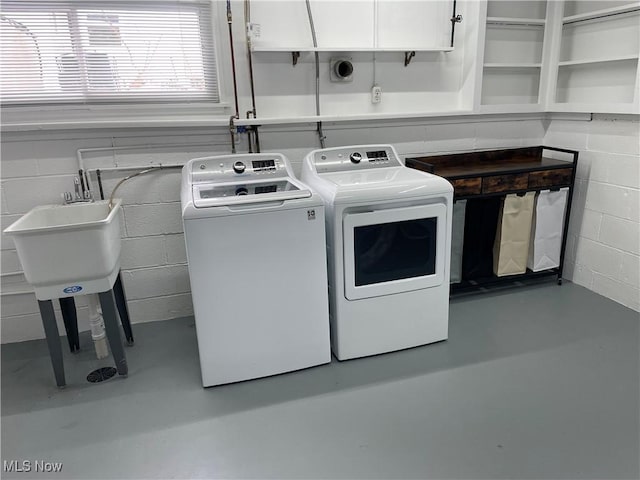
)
(96, 323)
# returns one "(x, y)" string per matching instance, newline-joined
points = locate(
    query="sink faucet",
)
(81, 194)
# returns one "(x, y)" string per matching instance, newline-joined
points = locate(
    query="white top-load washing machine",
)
(255, 240)
(389, 247)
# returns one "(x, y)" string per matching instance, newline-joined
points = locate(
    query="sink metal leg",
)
(53, 339)
(70, 317)
(123, 309)
(113, 330)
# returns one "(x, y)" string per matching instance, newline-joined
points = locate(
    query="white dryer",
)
(255, 240)
(388, 245)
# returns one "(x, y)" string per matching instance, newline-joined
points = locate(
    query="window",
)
(57, 52)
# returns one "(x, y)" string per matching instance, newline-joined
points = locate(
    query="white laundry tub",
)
(68, 250)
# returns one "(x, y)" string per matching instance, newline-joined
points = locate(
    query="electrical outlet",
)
(376, 94)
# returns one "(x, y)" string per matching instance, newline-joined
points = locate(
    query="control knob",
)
(355, 157)
(239, 167)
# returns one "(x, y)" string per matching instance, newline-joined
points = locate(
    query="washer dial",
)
(239, 167)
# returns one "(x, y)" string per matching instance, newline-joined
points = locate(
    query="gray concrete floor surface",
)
(534, 382)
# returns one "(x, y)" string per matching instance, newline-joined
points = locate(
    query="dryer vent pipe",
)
(343, 69)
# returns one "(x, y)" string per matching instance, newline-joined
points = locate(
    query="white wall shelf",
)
(596, 50)
(534, 22)
(348, 49)
(597, 60)
(512, 65)
(589, 83)
(602, 14)
(513, 56)
(347, 118)
(510, 86)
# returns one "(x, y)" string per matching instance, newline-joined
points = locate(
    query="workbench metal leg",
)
(53, 340)
(70, 317)
(123, 309)
(113, 330)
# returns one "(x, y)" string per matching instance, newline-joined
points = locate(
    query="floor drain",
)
(101, 374)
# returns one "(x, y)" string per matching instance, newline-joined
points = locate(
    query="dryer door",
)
(393, 251)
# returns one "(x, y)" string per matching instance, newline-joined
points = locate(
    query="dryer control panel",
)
(356, 158)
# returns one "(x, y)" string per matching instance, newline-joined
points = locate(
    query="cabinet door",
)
(343, 24)
(282, 24)
(413, 25)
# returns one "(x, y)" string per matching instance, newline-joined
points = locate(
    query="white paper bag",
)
(457, 240)
(511, 246)
(546, 230)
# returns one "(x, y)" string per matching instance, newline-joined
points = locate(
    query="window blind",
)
(56, 52)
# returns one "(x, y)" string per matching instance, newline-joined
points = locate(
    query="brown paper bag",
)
(511, 247)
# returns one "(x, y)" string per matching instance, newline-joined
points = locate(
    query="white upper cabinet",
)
(356, 25)
(413, 25)
(345, 24)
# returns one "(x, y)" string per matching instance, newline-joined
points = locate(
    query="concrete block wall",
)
(36, 167)
(603, 247)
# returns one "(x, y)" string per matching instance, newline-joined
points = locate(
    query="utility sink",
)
(68, 250)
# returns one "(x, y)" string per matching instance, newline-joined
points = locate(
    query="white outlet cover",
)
(376, 94)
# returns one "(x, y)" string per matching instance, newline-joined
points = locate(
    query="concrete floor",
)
(535, 382)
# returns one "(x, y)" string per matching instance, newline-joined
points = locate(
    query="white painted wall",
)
(37, 167)
(604, 238)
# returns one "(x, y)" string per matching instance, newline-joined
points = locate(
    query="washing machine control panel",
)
(236, 179)
(238, 167)
(355, 158)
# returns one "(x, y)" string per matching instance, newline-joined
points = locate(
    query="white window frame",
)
(147, 114)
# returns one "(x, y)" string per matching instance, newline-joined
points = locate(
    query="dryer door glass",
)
(394, 250)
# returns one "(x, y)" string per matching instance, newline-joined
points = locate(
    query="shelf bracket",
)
(294, 58)
(408, 56)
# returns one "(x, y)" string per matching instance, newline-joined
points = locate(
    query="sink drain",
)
(101, 374)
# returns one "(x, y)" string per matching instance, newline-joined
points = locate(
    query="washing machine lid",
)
(241, 193)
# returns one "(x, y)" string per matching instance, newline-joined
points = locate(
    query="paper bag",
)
(457, 240)
(546, 230)
(511, 246)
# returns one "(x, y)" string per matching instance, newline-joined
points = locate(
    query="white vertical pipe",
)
(97, 326)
